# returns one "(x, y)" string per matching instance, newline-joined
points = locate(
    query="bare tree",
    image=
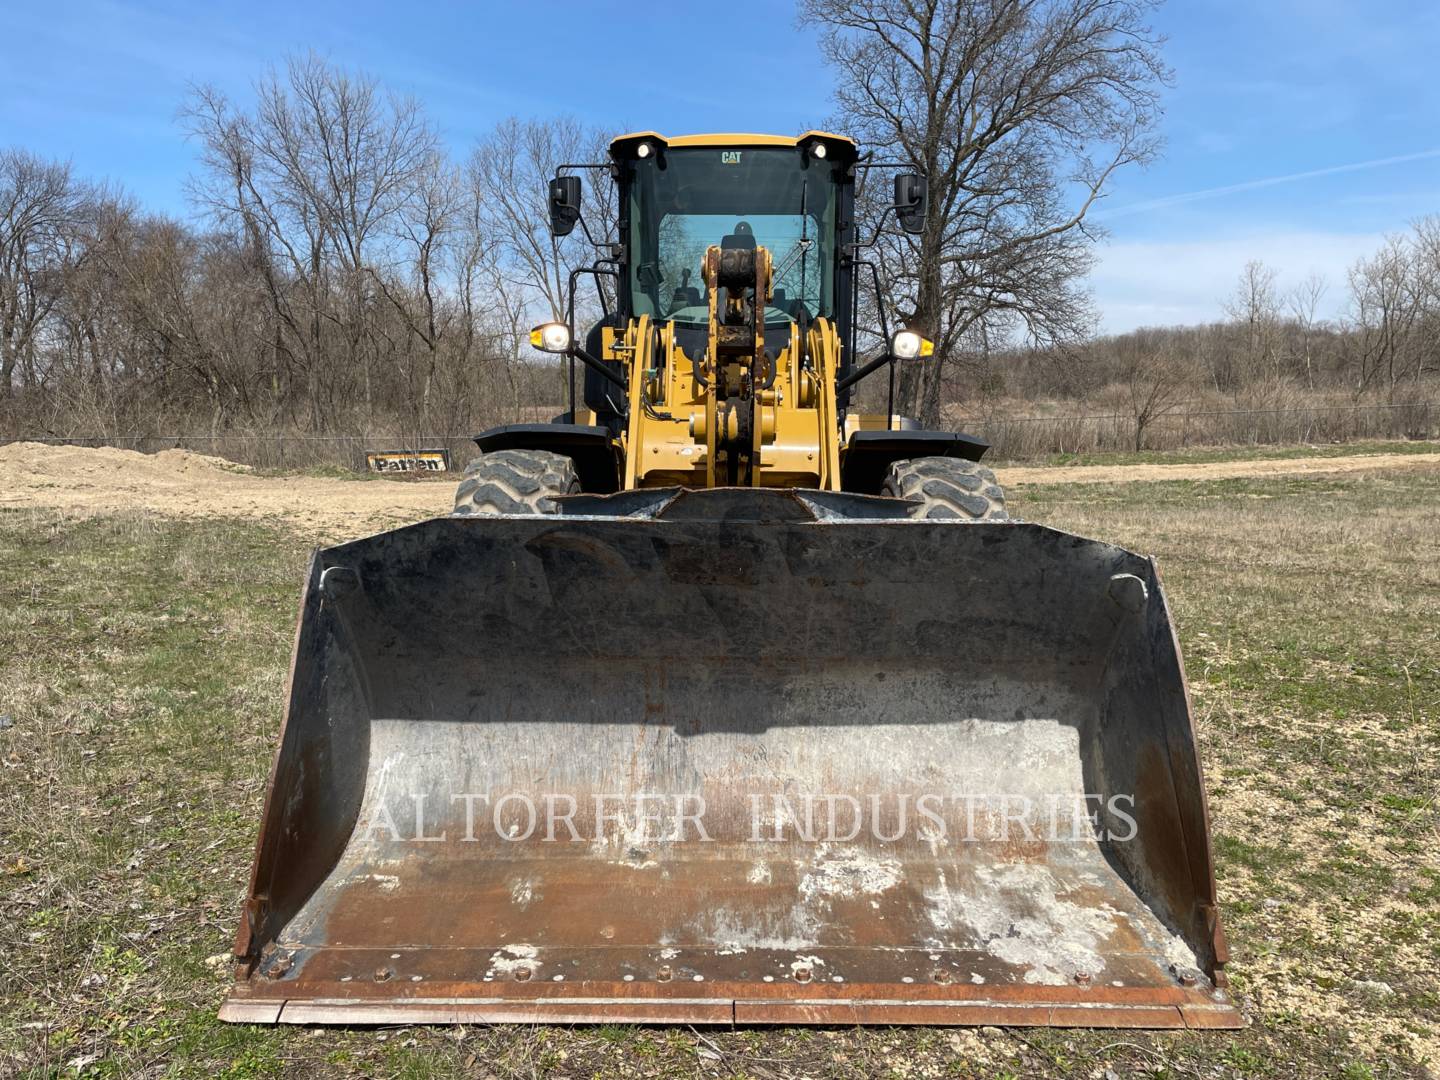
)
(1304, 304)
(1154, 384)
(315, 178)
(429, 227)
(510, 172)
(1425, 247)
(1019, 112)
(41, 213)
(1254, 306)
(1386, 310)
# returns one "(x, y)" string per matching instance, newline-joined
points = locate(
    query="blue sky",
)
(1299, 131)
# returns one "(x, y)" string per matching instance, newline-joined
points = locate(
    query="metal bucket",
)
(733, 759)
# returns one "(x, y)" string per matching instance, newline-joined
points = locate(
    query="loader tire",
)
(947, 487)
(515, 482)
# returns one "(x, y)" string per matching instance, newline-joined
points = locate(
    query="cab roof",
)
(622, 146)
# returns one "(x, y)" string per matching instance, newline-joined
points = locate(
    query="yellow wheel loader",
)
(717, 701)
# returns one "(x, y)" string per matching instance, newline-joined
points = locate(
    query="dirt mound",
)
(79, 462)
(187, 484)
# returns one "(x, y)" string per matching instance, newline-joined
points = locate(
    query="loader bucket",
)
(733, 757)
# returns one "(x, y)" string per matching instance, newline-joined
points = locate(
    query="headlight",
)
(908, 345)
(643, 150)
(818, 150)
(551, 337)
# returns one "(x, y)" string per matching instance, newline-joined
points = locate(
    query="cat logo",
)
(729, 157)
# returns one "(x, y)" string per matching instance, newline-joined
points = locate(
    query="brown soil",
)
(181, 483)
(1212, 470)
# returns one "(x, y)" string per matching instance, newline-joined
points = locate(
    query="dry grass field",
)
(143, 655)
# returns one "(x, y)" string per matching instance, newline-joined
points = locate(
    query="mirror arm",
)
(861, 372)
(879, 301)
(585, 228)
(887, 357)
(599, 366)
(598, 245)
(597, 271)
(559, 169)
(879, 228)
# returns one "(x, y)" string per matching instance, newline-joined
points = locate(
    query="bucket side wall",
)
(1145, 747)
(317, 781)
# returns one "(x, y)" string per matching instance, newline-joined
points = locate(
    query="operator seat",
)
(743, 237)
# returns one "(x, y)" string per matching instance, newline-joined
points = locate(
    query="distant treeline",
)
(344, 275)
(1273, 371)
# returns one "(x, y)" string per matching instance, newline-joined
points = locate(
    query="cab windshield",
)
(686, 199)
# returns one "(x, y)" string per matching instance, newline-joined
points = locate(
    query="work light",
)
(907, 345)
(553, 337)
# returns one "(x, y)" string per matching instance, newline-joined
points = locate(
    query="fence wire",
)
(1012, 437)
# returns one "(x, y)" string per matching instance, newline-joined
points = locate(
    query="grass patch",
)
(141, 667)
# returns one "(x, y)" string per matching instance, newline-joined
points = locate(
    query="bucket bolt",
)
(802, 974)
(522, 974)
(1184, 977)
(665, 973)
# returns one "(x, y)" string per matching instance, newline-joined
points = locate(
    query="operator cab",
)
(678, 200)
(729, 347)
(680, 196)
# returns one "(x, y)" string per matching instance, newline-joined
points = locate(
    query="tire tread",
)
(947, 489)
(515, 482)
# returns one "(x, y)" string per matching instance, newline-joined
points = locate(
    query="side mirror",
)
(911, 197)
(564, 205)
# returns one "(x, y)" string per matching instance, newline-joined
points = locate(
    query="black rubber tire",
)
(948, 489)
(515, 482)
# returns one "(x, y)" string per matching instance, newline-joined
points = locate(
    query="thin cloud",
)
(1159, 282)
(1264, 182)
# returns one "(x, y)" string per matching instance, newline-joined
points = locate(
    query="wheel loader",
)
(719, 700)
